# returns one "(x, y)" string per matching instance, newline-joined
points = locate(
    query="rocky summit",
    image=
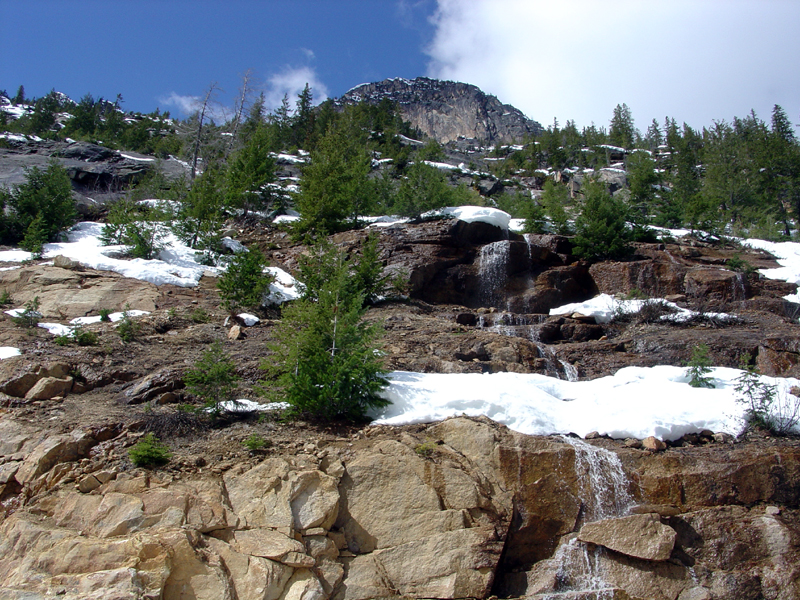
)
(447, 110)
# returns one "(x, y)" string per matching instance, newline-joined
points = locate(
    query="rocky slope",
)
(462, 508)
(447, 110)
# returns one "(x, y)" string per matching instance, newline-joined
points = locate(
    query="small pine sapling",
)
(149, 452)
(213, 379)
(699, 366)
(756, 396)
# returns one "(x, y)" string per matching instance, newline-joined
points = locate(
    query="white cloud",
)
(695, 60)
(188, 105)
(291, 82)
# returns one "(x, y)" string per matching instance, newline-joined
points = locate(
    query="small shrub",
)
(62, 340)
(635, 294)
(699, 366)
(426, 449)
(105, 315)
(5, 298)
(84, 337)
(738, 264)
(756, 395)
(149, 452)
(128, 329)
(30, 316)
(198, 315)
(244, 283)
(213, 379)
(255, 443)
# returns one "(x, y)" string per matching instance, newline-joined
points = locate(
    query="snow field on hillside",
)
(634, 402)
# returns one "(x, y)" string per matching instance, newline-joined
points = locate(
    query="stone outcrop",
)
(447, 110)
(483, 511)
(97, 173)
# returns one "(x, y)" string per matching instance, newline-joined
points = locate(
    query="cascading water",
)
(603, 489)
(493, 273)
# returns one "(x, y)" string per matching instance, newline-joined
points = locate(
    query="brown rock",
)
(654, 444)
(639, 536)
(63, 262)
(235, 333)
(49, 387)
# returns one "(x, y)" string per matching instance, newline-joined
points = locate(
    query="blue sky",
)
(694, 60)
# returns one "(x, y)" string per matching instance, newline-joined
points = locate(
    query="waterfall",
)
(493, 273)
(603, 489)
(602, 483)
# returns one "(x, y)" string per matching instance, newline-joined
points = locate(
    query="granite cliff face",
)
(445, 110)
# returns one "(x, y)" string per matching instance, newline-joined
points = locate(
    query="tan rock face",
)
(379, 520)
(639, 536)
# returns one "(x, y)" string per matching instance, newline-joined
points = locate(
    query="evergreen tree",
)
(250, 172)
(201, 214)
(245, 282)
(424, 188)
(326, 364)
(554, 200)
(335, 189)
(622, 131)
(303, 118)
(39, 208)
(601, 231)
(19, 98)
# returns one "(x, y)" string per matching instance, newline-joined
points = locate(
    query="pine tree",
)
(335, 189)
(601, 231)
(554, 200)
(251, 171)
(19, 98)
(326, 364)
(424, 188)
(39, 208)
(622, 131)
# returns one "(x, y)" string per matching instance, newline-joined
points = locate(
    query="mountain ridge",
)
(447, 110)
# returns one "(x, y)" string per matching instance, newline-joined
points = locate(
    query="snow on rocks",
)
(247, 319)
(473, 214)
(604, 308)
(8, 352)
(635, 402)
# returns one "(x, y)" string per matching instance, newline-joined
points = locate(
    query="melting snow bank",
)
(8, 352)
(635, 402)
(604, 308)
(473, 214)
(177, 263)
(788, 256)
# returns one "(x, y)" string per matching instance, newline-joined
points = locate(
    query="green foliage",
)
(198, 315)
(128, 329)
(737, 263)
(250, 172)
(5, 298)
(699, 366)
(37, 209)
(554, 200)
(213, 379)
(432, 151)
(136, 225)
(425, 188)
(426, 449)
(79, 336)
(244, 283)
(104, 315)
(335, 189)
(600, 230)
(326, 364)
(201, 215)
(757, 396)
(30, 316)
(149, 452)
(622, 131)
(364, 271)
(256, 443)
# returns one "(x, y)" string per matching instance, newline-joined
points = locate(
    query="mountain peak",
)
(447, 110)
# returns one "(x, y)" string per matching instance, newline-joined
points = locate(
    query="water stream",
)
(493, 273)
(603, 489)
